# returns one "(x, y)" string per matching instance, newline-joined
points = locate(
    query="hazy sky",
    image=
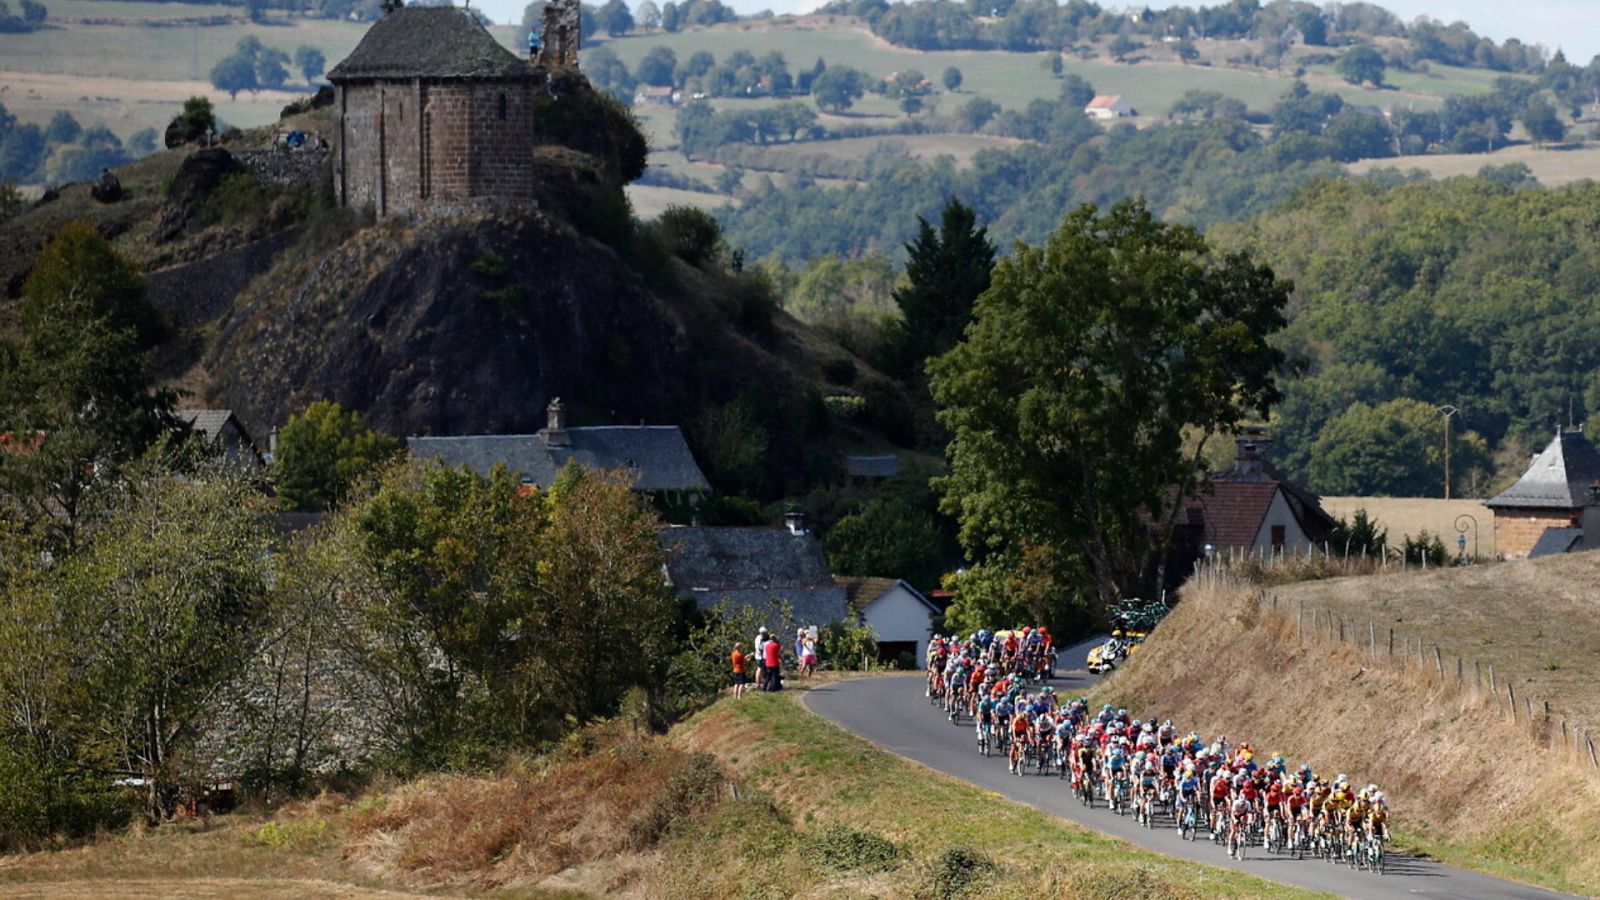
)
(1573, 25)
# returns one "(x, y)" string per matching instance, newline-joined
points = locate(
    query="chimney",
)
(795, 520)
(1252, 441)
(555, 430)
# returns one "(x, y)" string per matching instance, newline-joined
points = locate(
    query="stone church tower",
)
(434, 116)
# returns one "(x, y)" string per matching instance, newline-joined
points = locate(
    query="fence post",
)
(1477, 674)
(1494, 690)
(1372, 638)
(1460, 677)
(1438, 660)
(1511, 695)
(1391, 643)
(1341, 630)
(1592, 760)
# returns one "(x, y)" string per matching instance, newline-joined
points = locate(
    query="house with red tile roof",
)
(1252, 508)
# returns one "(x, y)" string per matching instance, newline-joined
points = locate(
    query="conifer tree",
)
(946, 270)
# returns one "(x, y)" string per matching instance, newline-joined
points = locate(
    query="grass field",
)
(649, 200)
(1553, 167)
(1410, 515)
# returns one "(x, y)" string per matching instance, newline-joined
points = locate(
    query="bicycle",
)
(1187, 819)
(983, 738)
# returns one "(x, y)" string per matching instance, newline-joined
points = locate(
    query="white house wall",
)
(1279, 513)
(898, 615)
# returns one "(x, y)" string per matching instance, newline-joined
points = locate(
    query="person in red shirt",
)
(773, 653)
(740, 679)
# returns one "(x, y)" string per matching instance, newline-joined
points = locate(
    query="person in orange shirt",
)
(740, 679)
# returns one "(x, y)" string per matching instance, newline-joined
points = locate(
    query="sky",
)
(1573, 25)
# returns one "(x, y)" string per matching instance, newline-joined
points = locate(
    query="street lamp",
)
(1447, 411)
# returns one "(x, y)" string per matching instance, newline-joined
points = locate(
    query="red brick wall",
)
(1517, 530)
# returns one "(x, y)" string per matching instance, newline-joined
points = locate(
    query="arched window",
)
(500, 112)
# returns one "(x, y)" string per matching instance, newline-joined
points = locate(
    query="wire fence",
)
(1469, 680)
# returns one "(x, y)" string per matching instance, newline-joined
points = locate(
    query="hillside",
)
(465, 324)
(1468, 783)
(756, 793)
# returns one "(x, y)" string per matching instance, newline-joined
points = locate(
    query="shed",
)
(900, 617)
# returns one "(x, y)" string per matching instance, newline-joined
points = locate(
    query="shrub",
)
(692, 235)
(697, 785)
(841, 849)
(959, 869)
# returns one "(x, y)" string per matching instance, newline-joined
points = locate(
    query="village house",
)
(655, 457)
(766, 569)
(652, 95)
(1109, 106)
(222, 432)
(1253, 509)
(900, 617)
(1549, 499)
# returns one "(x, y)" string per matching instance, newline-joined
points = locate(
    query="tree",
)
(76, 380)
(648, 15)
(1361, 64)
(1543, 122)
(946, 271)
(911, 104)
(838, 88)
(1076, 92)
(671, 17)
(952, 79)
(614, 18)
(976, 113)
(233, 74)
(1121, 46)
(1393, 449)
(166, 600)
(1089, 360)
(887, 538)
(63, 128)
(196, 121)
(322, 453)
(310, 62)
(272, 68)
(1186, 51)
(657, 67)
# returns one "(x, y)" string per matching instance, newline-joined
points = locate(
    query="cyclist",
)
(1021, 728)
(985, 722)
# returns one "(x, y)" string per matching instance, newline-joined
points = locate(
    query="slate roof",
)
(872, 466)
(1560, 477)
(656, 455)
(753, 567)
(1557, 540)
(428, 42)
(208, 422)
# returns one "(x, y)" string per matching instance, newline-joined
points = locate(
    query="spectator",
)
(773, 651)
(808, 657)
(740, 679)
(761, 658)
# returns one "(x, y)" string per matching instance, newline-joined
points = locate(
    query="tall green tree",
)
(946, 270)
(1395, 449)
(838, 88)
(322, 452)
(1361, 64)
(77, 400)
(1088, 360)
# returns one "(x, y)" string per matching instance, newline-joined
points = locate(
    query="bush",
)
(692, 234)
(694, 787)
(959, 869)
(841, 849)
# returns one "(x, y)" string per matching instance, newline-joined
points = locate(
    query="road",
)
(891, 712)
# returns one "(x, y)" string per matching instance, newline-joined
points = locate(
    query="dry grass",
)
(1553, 167)
(1411, 515)
(1468, 783)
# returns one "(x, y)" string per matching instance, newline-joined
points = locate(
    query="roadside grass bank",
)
(756, 797)
(1468, 784)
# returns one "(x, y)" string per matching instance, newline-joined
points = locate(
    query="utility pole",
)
(1448, 412)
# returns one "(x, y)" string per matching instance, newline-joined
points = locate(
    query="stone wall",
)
(419, 147)
(1517, 530)
(284, 167)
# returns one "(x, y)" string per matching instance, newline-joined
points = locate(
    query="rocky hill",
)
(456, 325)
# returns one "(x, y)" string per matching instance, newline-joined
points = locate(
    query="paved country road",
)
(891, 712)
